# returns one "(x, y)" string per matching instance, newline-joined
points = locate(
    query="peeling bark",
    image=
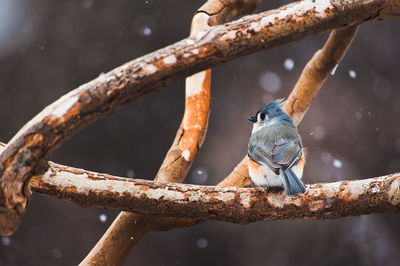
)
(26, 153)
(231, 204)
(114, 246)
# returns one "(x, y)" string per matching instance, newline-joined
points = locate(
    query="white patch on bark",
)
(375, 189)
(161, 193)
(58, 108)
(245, 200)
(149, 69)
(394, 192)
(64, 105)
(317, 205)
(297, 10)
(200, 35)
(255, 26)
(229, 36)
(226, 196)
(171, 59)
(186, 155)
(278, 200)
(194, 83)
(361, 187)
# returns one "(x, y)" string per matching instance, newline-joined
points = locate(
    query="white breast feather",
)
(264, 177)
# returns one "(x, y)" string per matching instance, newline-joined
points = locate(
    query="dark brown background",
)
(48, 48)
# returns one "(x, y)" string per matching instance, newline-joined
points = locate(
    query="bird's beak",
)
(253, 118)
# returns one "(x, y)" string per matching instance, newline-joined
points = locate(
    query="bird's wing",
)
(286, 154)
(280, 155)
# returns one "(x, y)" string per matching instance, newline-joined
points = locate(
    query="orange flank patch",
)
(252, 164)
(302, 161)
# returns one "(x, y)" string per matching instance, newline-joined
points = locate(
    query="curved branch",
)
(232, 204)
(26, 153)
(221, 11)
(310, 81)
(317, 71)
(116, 243)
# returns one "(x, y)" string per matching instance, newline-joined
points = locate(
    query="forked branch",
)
(27, 152)
(129, 227)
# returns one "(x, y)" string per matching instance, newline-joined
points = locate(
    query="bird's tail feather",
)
(291, 183)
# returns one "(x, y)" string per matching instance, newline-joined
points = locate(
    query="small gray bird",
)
(276, 157)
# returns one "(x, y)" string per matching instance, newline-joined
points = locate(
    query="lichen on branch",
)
(230, 204)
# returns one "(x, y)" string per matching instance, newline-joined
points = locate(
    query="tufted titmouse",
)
(276, 157)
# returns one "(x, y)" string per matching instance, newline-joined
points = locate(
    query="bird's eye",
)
(262, 116)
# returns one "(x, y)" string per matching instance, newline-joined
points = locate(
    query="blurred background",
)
(351, 131)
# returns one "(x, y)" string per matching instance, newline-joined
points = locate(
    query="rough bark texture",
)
(116, 243)
(26, 153)
(232, 204)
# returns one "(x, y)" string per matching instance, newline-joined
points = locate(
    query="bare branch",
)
(317, 71)
(114, 247)
(221, 11)
(26, 153)
(310, 81)
(232, 204)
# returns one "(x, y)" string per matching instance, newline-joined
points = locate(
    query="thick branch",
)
(26, 153)
(237, 205)
(116, 243)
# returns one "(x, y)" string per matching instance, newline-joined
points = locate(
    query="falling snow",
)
(352, 74)
(103, 218)
(288, 64)
(202, 243)
(6, 241)
(270, 82)
(199, 175)
(146, 31)
(318, 132)
(337, 163)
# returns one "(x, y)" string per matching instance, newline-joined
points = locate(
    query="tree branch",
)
(115, 244)
(232, 204)
(317, 71)
(26, 153)
(310, 81)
